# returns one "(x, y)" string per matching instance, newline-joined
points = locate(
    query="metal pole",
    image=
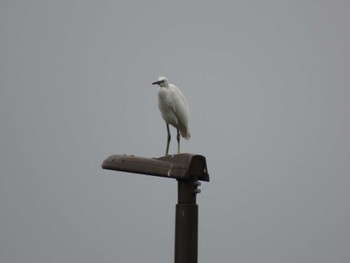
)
(186, 222)
(187, 169)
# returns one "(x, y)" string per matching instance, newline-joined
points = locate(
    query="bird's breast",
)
(166, 106)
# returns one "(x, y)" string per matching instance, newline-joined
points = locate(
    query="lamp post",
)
(188, 170)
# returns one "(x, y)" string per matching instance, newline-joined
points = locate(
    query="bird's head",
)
(162, 82)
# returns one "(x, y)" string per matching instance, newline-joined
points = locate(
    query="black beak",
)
(156, 82)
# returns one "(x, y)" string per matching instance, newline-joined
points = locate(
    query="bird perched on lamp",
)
(174, 109)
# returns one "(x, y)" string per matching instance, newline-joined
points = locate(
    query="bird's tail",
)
(185, 133)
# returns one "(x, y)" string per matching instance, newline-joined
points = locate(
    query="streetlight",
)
(188, 170)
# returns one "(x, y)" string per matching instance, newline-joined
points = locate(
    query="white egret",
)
(174, 109)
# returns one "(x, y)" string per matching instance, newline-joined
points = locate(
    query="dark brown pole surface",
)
(186, 223)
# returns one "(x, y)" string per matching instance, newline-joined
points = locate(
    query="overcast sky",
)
(268, 87)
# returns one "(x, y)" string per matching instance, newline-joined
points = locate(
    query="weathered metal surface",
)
(178, 166)
(186, 233)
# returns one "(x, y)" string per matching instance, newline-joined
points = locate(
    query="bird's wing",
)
(180, 106)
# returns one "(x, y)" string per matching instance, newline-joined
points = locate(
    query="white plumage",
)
(174, 109)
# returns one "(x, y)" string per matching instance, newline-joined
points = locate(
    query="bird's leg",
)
(168, 139)
(178, 141)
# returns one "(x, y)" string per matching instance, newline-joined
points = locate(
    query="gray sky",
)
(268, 88)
